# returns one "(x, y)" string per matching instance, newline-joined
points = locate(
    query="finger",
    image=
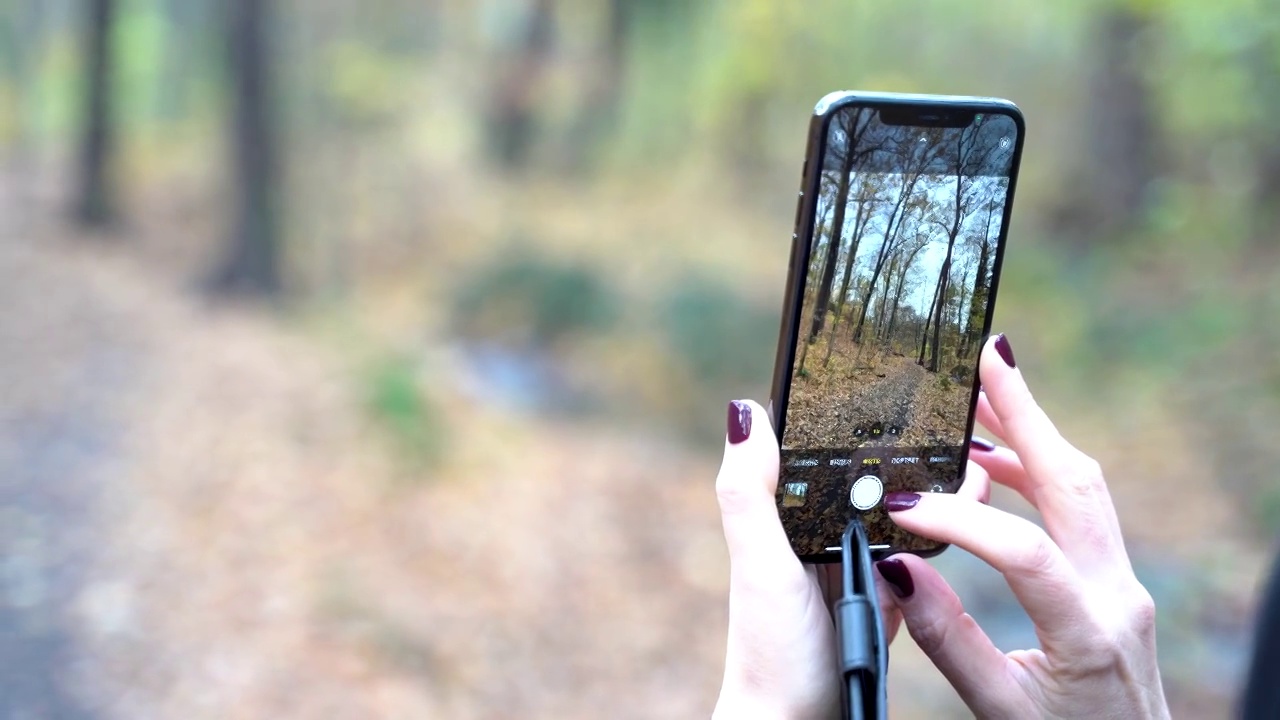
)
(890, 612)
(829, 584)
(1002, 466)
(977, 483)
(759, 552)
(961, 651)
(1045, 583)
(986, 417)
(1065, 484)
(778, 622)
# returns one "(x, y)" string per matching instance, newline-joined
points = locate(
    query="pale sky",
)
(941, 192)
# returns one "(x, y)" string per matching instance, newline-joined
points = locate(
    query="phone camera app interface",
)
(895, 303)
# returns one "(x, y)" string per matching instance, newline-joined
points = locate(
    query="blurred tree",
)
(523, 65)
(599, 113)
(852, 128)
(981, 281)
(909, 254)
(1263, 64)
(183, 21)
(22, 38)
(252, 262)
(95, 205)
(1122, 134)
(970, 155)
(915, 158)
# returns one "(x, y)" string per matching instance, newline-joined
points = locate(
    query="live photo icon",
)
(793, 494)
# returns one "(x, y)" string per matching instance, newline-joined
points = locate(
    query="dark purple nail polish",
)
(1006, 352)
(896, 501)
(982, 444)
(895, 573)
(739, 422)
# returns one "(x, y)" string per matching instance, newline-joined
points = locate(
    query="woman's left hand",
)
(780, 660)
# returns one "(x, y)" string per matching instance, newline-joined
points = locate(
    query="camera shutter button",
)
(866, 492)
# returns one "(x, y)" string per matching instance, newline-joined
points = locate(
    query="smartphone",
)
(899, 238)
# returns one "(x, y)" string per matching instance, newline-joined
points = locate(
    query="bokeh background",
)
(370, 359)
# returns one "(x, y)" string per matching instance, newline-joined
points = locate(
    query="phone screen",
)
(901, 266)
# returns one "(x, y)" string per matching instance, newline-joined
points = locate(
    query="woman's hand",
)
(781, 660)
(1095, 621)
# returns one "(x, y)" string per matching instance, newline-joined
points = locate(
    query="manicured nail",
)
(739, 422)
(982, 444)
(1006, 352)
(895, 572)
(897, 501)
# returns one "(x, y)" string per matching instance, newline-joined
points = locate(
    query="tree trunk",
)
(1263, 61)
(252, 265)
(977, 304)
(886, 247)
(924, 340)
(859, 225)
(605, 89)
(884, 297)
(978, 300)
(833, 244)
(518, 87)
(1121, 147)
(897, 293)
(897, 300)
(961, 299)
(940, 300)
(95, 206)
(183, 24)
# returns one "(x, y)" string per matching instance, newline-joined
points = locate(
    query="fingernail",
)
(895, 573)
(982, 444)
(897, 501)
(1006, 352)
(739, 422)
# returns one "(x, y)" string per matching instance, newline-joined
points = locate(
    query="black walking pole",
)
(863, 652)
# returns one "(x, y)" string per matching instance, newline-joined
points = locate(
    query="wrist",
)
(737, 706)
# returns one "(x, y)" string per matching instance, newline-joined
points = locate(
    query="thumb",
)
(745, 487)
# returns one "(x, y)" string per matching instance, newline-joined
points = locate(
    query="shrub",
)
(535, 300)
(718, 333)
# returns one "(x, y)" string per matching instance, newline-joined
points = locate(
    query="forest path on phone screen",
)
(836, 406)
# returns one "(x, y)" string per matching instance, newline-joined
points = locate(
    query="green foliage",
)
(1267, 508)
(718, 333)
(944, 382)
(396, 401)
(366, 87)
(535, 301)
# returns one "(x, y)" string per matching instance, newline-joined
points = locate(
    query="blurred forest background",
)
(370, 359)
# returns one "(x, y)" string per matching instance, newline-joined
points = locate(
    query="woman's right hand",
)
(1095, 621)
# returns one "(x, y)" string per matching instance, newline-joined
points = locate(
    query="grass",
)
(403, 411)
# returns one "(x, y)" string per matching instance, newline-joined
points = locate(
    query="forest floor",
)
(835, 405)
(200, 519)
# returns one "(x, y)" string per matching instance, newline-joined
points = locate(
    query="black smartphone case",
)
(801, 240)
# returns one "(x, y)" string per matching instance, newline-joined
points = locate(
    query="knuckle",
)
(931, 635)
(738, 494)
(1141, 615)
(1084, 479)
(731, 495)
(1038, 557)
(1131, 619)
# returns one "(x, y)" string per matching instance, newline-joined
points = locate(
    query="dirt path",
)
(884, 394)
(889, 400)
(65, 362)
